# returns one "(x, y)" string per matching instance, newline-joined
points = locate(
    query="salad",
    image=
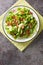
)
(20, 23)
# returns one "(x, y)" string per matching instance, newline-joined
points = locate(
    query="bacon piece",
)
(28, 32)
(22, 19)
(30, 13)
(13, 17)
(8, 23)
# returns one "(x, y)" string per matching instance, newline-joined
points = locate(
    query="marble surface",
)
(9, 54)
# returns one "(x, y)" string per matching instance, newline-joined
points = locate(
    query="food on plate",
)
(20, 23)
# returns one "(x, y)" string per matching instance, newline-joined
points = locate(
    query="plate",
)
(22, 39)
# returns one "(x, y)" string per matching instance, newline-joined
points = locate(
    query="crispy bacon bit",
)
(8, 23)
(27, 32)
(15, 22)
(30, 13)
(22, 19)
(13, 17)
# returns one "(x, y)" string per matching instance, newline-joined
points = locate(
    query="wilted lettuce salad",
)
(20, 23)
